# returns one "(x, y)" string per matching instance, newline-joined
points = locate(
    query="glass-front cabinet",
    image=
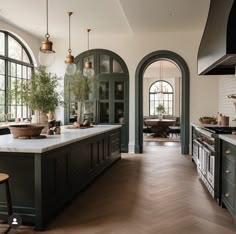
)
(110, 104)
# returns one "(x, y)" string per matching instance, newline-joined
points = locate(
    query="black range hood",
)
(217, 51)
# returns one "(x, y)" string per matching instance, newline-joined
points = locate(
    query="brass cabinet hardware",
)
(227, 171)
(228, 151)
(227, 194)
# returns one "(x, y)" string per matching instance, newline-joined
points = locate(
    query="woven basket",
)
(207, 121)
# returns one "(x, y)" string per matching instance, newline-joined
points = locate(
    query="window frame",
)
(156, 102)
(8, 61)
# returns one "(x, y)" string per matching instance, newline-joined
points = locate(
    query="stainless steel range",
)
(206, 155)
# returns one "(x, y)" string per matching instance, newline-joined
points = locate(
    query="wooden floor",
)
(152, 193)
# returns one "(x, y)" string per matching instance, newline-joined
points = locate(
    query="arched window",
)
(15, 67)
(161, 92)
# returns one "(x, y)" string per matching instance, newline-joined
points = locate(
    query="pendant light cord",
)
(47, 34)
(88, 30)
(69, 50)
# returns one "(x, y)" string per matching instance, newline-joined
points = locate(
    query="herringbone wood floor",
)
(157, 192)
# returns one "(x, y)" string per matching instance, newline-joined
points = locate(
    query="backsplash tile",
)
(227, 86)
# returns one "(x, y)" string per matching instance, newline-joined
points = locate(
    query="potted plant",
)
(160, 110)
(82, 89)
(40, 93)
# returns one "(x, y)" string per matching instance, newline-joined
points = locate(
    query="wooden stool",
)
(4, 179)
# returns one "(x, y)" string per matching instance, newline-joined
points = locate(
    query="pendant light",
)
(46, 54)
(70, 65)
(159, 90)
(88, 70)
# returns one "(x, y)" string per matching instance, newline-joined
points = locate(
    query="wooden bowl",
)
(25, 130)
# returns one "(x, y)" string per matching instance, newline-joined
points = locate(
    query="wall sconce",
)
(88, 70)
(46, 54)
(70, 65)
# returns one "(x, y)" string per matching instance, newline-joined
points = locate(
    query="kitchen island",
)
(45, 174)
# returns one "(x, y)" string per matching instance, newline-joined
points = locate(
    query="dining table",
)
(160, 127)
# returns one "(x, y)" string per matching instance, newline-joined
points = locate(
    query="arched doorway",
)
(185, 83)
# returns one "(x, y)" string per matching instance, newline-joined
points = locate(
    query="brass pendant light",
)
(88, 70)
(70, 65)
(46, 54)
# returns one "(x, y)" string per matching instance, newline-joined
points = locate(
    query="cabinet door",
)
(104, 105)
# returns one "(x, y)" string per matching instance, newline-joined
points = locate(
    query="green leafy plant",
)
(40, 92)
(160, 109)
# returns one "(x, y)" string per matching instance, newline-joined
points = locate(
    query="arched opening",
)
(142, 66)
(161, 92)
(111, 104)
(16, 67)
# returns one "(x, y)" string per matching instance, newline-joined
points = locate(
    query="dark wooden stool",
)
(4, 179)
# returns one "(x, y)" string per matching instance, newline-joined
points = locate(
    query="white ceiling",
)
(105, 16)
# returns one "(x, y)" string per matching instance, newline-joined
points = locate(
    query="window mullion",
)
(6, 74)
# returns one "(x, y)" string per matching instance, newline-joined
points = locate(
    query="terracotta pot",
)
(25, 131)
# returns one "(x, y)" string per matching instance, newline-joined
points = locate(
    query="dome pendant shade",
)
(70, 65)
(70, 68)
(88, 70)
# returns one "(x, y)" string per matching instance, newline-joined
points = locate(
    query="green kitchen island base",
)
(42, 183)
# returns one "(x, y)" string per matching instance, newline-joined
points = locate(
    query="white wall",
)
(227, 86)
(203, 90)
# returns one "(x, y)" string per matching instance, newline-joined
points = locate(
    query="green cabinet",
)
(42, 184)
(4, 131)
(110, 100)
(228, 178)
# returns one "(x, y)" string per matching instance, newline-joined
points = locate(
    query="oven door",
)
(204, 160)
(211, 170)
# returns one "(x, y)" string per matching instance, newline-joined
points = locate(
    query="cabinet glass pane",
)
(2, 44)
(119, 90)
(73, 111)
(104, 112)
(2, 97)
(89, 111)
(104, 90)
(14, 49)
(2, 82)
(117, 67)
(119, 112)
(2, 67)
(104, 64)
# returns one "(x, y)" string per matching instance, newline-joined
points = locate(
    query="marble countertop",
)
(229, 138)
(67, 136)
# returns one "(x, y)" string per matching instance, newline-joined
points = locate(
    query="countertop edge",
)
(61, 144)
(229, 138)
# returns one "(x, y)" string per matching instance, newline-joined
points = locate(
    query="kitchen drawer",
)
(228, 170)
(228, 194)
(229, 151)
